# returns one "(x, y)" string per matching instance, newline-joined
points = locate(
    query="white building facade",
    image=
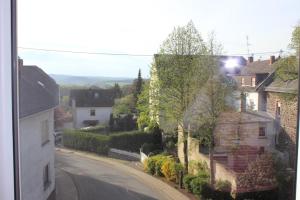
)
(37, 156)
(91, 107)
(38, 99)
(83, 114)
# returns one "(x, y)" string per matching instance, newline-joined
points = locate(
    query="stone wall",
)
(221, 173)
(288, 122)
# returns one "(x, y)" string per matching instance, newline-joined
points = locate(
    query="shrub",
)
(149, 166)
(187, 181)
(149, 147)
(223, 185)
(197, 167)
(170, 169)
(198, 185)
(86, 141)
(203, 174)
(130, 141)
(153, 164)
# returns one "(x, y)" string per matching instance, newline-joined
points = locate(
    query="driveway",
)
(81, 176)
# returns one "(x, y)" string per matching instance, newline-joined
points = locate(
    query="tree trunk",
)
(185, 152)
(185, 145)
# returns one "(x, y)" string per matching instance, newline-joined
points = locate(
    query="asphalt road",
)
(107, 179)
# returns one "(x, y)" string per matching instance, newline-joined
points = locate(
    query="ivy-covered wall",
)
(288, 121)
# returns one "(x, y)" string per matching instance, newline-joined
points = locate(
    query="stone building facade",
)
(284, 109)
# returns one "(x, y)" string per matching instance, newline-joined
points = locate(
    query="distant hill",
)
(103, 82)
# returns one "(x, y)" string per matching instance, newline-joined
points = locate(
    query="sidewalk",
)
(65, 187)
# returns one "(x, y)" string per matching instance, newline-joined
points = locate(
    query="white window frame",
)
(9, 151)
(9, 160)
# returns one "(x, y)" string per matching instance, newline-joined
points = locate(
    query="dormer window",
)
(253, 81)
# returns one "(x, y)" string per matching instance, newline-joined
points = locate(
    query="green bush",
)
(198, 185)
(170, 169)
(163, 165)
(159, 162)
(197, 166)
(223, 185)
(153, 164)
(149, 166)
(130, 141)
(147, 148)
(187, 181)
(86, 141)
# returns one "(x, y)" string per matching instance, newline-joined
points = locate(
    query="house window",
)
(278, 108)
(46, 176)
(45, 131)
(262, 131)
(243, 81)
(92, 112)
(253, 80)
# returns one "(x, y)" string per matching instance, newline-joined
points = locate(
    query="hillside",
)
(87, 81)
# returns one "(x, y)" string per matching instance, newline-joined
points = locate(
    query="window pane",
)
(143, 83)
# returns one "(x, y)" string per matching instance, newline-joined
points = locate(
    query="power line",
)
(129, 54)
(85, 52)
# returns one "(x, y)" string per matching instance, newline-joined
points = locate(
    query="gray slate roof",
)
(93, 97)
(38, 91)
(278, 85)
(258, 67)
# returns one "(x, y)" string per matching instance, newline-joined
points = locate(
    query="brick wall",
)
(288, 122)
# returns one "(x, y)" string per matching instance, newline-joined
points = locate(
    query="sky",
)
(140, 27)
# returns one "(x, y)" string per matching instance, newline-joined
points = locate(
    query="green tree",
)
(295, 40)
(143, 108)
(182, 71)
(212, 100)
(124, 105)
(287, 68)
(117, 90)
(138, 83)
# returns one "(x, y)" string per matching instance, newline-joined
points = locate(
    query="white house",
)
(38, 98)
(91, 106)
(250, 79)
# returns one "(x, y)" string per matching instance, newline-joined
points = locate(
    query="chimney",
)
(272, 59)
(250, 59)
(20, 62)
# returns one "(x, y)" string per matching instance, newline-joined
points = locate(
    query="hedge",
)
(86, 141)
(130, 141)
